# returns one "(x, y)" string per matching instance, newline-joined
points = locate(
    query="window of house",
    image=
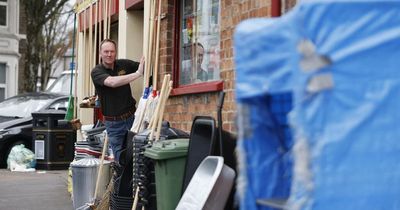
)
(3, 12)
(2, 81)
(199, 41)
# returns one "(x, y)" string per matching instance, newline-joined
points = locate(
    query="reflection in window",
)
(199, 41)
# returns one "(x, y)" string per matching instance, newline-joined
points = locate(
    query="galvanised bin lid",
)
(88, 162)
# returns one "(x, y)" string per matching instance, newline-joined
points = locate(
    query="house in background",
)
(12, 34)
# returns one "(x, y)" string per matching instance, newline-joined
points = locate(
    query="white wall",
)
(130, 41)
(9, 46)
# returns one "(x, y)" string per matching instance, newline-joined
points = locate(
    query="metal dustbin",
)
(169, 164)
(84, 176)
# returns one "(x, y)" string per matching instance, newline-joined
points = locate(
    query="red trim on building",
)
(134, 4)
(198, 88)
(176, 66)
(114, 11)
(276, 7)
(204, 87)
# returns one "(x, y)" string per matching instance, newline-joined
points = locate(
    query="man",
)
(111, 79)
(202, 74)
(194, 73)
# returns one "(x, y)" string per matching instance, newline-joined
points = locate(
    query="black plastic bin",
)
(53, 140)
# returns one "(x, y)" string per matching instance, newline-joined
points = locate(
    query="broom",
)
(95, 205)
(70, 111)
(104, 203)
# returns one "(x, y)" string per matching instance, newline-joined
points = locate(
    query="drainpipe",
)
(276, 7)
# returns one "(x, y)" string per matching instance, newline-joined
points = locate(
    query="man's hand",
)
(141, 66)
(117, 81)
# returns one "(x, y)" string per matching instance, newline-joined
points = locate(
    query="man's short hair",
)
(198, 44)
(108, 40)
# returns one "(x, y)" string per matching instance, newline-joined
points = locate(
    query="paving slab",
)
(39, 190)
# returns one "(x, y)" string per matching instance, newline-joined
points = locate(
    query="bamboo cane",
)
(154, 96)
(109, 19)
(88, 77)
(99, 173)
(144, 101)
(76, 67)
(105, 24)
(161, 114)
(150, 59)
(95, 35)
(157, 46)
(85, 63)
(136, 199)
(156, 116)
(100, 8)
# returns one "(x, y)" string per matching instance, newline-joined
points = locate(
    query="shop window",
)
(3, 12)
(199, 41)
(2, 81)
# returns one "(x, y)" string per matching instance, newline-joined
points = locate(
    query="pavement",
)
(39, 190)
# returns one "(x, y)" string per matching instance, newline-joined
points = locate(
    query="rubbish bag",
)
(21, 159)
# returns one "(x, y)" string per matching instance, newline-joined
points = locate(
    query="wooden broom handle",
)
(155, 117)
(157, 46)
(161, 114)
(105, 145)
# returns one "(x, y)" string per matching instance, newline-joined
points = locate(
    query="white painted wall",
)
(130, 41)
(9, 46)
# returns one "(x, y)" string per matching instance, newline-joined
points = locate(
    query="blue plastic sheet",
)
(344, 115)
(264, 135)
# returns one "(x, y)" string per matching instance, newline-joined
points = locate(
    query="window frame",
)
(202, 87)
(2, 3)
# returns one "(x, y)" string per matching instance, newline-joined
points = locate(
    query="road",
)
(40, 190)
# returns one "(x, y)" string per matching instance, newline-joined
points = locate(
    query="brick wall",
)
(181, 110)
(288, 4)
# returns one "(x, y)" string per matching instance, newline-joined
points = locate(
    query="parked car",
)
(16, 118)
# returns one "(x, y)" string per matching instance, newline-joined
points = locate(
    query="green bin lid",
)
(167, 149)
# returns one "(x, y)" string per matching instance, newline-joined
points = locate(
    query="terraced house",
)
(12, 46)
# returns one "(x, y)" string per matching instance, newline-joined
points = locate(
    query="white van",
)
(63, 83)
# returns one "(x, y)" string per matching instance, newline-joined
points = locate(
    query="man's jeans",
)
(116, 131)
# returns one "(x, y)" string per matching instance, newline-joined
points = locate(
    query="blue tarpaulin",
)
(265, 140)
(340, 60)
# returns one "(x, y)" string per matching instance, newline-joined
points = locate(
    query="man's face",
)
(200, 55)
(107, 53)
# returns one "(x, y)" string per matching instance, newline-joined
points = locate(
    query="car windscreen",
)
(22, 106)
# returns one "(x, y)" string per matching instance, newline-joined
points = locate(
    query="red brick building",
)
(184, 22)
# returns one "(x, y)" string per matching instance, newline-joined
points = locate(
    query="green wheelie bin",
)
(169, 164)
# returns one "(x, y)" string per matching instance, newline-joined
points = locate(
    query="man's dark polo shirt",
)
(119, 100)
